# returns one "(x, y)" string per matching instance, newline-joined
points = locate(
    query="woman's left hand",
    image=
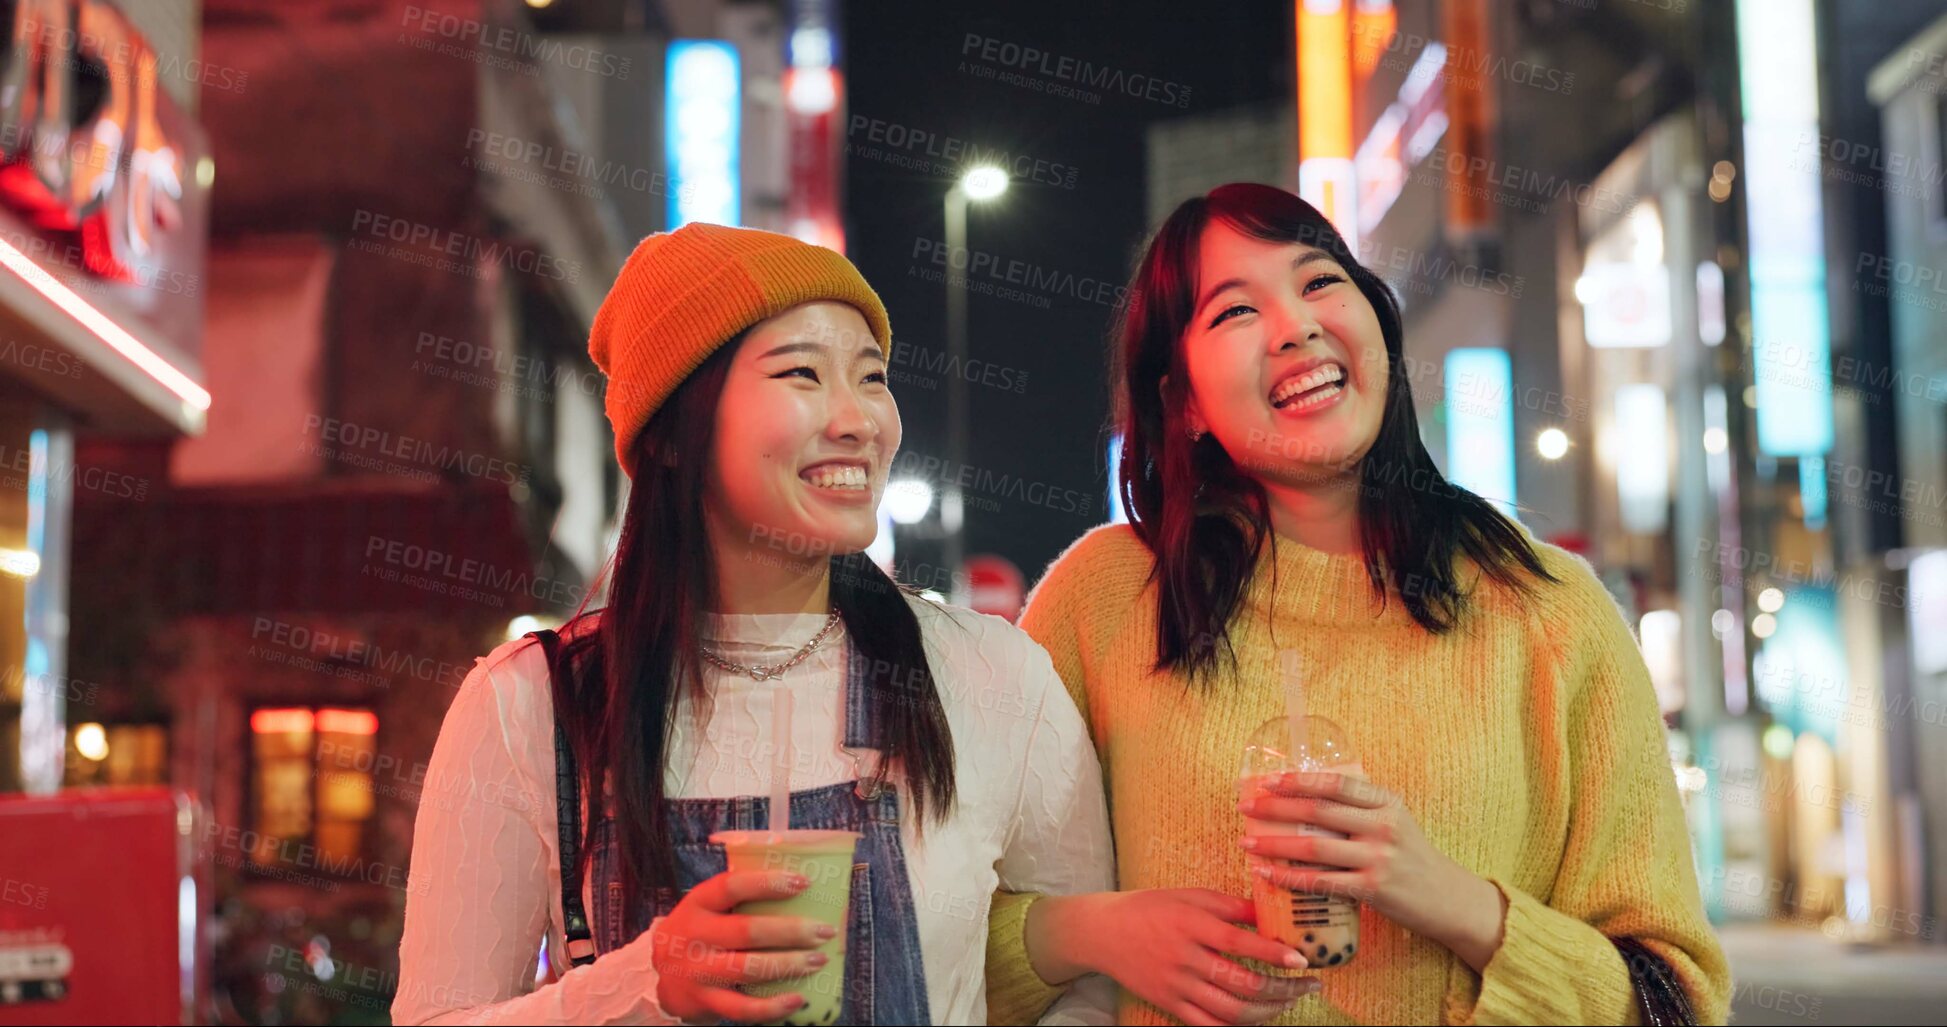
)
(1385, 860)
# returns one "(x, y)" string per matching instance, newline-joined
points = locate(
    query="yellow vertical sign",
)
(1325, 174)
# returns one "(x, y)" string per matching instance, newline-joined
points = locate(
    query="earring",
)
(1196, 434)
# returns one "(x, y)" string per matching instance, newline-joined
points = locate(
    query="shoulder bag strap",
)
(1658, 990)
(567, 812)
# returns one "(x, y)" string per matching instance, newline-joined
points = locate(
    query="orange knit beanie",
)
(682, 294)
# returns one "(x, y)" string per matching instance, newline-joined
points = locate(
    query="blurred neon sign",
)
(1643, 476)
(1480, 424)
(1325, 172)
(1117, 515)
(1778, 69)
(116, 177)
(814, 92)
(700, 132)
(1403, 135)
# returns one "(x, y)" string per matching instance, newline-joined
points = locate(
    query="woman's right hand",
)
(703, 951)
(1172, 947)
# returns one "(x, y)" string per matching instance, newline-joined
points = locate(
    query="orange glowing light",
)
(348, 722)
(280, 721)
(1470, 118)
(1373, 24)
(1324, 81)
(1326, 177)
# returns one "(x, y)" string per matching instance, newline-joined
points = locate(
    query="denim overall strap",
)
(898, 988)
(885, 978)
(862, 729)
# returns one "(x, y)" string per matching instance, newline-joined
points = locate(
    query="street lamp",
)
(984, 183)
(979, 183)
(908, 500)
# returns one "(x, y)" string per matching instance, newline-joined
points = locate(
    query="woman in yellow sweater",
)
(1517, 811)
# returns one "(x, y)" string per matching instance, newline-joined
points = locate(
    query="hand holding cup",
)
(1383, 858)
(703, 952)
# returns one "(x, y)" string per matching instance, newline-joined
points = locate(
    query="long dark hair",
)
(626, 671)
(1207, 520)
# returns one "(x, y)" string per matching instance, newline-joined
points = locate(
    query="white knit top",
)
(484, 883)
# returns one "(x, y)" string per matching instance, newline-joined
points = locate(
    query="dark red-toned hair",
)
(1207, 519)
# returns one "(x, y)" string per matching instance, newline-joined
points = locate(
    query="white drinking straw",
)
(1291, 666)
(781, 768)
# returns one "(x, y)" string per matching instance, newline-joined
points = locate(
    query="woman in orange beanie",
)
(747, 390)
(1510, 827)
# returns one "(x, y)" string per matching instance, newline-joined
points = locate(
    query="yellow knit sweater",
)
(1526, 743)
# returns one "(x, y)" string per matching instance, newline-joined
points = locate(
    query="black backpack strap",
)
(567, 812)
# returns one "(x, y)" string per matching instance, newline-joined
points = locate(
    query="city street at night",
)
(861, 511)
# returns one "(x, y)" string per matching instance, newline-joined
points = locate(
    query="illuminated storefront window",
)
(310, 783)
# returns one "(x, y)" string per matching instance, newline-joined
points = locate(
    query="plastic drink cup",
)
(1324, 928)
(825, 859)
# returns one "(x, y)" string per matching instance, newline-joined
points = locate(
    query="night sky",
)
(928, 80)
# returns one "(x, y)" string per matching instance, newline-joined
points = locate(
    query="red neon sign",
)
(115, 178)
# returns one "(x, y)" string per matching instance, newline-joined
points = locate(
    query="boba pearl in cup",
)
(1323, 927)
(825, 859)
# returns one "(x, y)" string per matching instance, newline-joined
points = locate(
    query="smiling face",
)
(805, 434)
(1287, 364)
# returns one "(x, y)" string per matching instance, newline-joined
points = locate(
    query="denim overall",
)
(885, 980)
